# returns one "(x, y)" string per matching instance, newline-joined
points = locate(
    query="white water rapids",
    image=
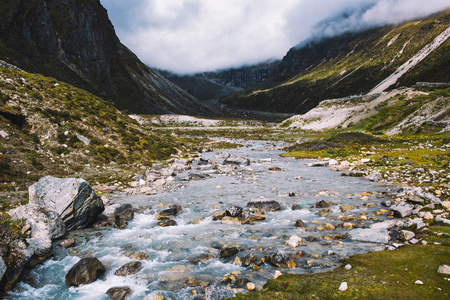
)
(168, 271)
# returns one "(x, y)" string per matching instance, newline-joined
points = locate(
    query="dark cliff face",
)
(74, 41)
(215, 85)
(244, 77)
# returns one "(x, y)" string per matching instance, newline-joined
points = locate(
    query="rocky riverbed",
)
(224, 223)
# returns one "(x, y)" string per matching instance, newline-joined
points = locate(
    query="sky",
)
(189, 36)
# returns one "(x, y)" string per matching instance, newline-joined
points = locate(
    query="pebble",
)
(294, 241)
(67, 243)
(329, 226)
(320, 228)
(343, 286)
(346, 207)
(153, 297)
(406, 235)
(250, 286)
(347, 225)
(277, 274)
(348, 266)
(230, 220)
(418, 282)
(428, 216)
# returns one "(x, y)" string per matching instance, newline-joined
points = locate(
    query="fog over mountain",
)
(188, 36)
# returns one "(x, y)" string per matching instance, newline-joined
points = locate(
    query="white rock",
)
(418, 222)
(3, 134)
(446, 204)
(386, 224)
(371, 235)
(406, 235)
(294, 241)
(134, 184)
(443, 220)
(348, 267)
(277, 274)
(444, 269)
(428, 216)
(265, 160)
(343, 286)
(418, 282)
(333, 162)
(84, 139)
(374, 176)
(46, 225)
(71, 198)
(159, 182)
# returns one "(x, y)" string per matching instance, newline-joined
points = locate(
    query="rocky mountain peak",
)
(74, 41)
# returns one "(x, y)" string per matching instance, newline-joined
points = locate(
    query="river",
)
(168, 251)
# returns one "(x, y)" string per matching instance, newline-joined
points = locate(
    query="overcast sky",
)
(187, 36)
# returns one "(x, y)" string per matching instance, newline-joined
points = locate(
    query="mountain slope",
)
(399, 111)
(74, 41)
(43, 132)
(350, 64)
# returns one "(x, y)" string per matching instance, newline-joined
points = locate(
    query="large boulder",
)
(71, 198)
(45, 225)
(264, 204)
(85, 271)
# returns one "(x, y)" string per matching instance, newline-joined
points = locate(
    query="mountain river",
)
(168, 251)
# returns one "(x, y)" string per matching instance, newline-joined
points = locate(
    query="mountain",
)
(218, 84)
(353, 64)
(210, 87)
(74, 41)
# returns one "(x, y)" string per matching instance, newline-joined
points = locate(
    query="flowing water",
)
(167, 269)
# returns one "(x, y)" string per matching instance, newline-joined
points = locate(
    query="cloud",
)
(187, 36)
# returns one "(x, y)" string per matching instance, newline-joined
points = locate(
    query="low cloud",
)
(187, 36)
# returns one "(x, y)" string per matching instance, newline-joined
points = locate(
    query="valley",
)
(322, 175)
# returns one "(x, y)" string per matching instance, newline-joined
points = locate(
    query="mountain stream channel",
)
(167, 253)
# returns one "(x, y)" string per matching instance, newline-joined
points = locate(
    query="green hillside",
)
(52, 128)
(350, 64)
